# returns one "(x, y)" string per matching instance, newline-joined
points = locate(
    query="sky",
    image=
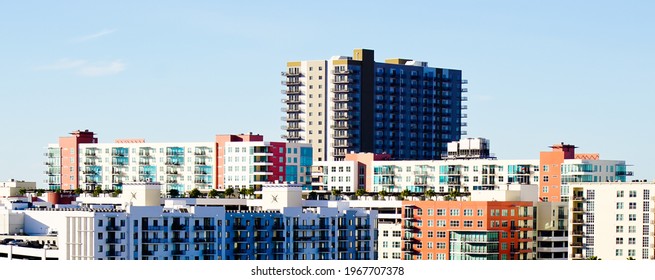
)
(539, 72)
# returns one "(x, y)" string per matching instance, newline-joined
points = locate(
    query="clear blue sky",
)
(540, 72)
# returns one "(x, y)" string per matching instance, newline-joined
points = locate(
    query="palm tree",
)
(22, 191)
(593, 258)
(430, 193)
(453, 195)
(404, 194)
(229, 192)
(78, 191)
(97, 191)
(116, 192)
(195, 193)
(250, 192)
(213, 193)
(630, 259)
(312, 195)
(173, 193)
(383, 193)
(360, 192)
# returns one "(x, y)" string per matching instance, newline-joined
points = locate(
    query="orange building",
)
(468, 230)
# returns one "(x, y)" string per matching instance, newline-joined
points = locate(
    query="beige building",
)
(611, 220)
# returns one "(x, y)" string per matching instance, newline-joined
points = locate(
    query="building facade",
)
(231, 161)
(354, 104)
(468, 230)
(277, 227)
(611, 220)
(562, 166)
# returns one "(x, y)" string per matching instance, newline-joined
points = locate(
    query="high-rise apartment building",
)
(231, 161)
(346, 104)
(562, 166)
(611, 220)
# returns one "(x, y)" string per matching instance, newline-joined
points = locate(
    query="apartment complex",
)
(277, 228)
(611, 220)
(346, 104)
(467, 166)
(562, 166)
(230, 161)
(493, 225)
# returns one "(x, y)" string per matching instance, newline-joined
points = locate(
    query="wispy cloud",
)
(86, 68)
(106, 69)
(95, 35)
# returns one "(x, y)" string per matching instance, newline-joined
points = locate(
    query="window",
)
(632, 217)
(545, 179)
(396, 244)
(441, 234)
(633, 193)
(619, 205)
(468, 212)
(430, 212)
(441, 212)
(480, 212)
(385, 244)
(632, 240)
(619, 240)
(454, 223)
(480, 224)
(441, 223)
(619, 193)
(619, 217)
(544, 189)
(430, 234)
(632, 205)
(468, 223)
(545, 168)
(419, 212)
(454, 212)
(619, 229)
(441, 245)
(619, 252)
(631, 252)
(429, 245)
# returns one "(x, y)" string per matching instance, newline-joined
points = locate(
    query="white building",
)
(611, 220)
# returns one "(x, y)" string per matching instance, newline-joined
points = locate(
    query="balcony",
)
(342, 90)
(578, 198)
(292, 137)
(208, 252)
(341, 126)
(112, 254)
(291, 101)
(341, 72)
(342, 145)
(341, 99)
(112, 241)
(179, 240)
(292, 110)
(342, 81)
(154, 240)
(341, 118)
(291, 83)
(177, 252)
(178, 227)
(113, 228)
(342, 108)
(204, 240)
(290, 74)
(155, 228)
(292, 92)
